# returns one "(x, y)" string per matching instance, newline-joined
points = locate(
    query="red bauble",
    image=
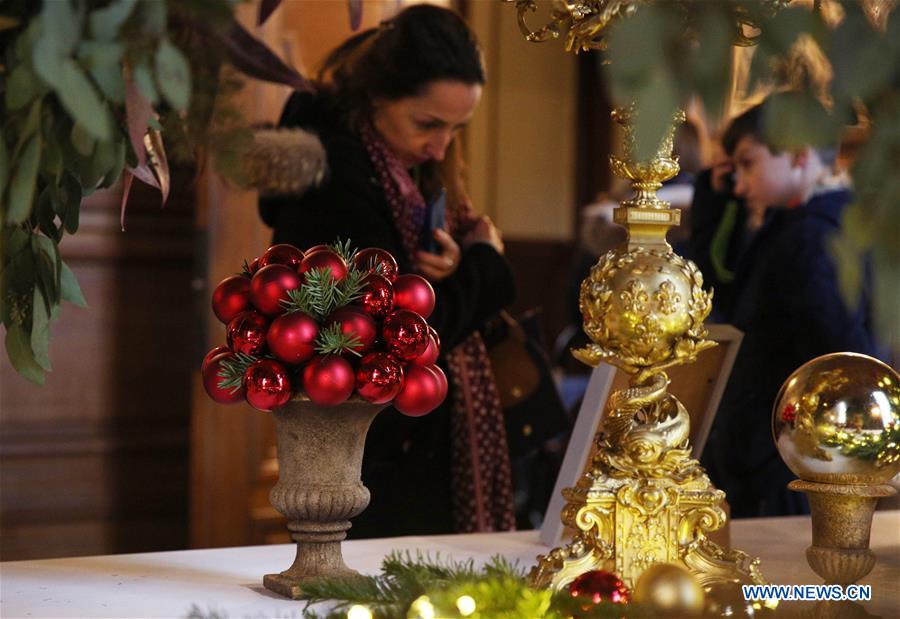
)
(379, 378)
(285, 254)
(599, 586)
(292, 337)
(437, 338)
(354, 321)
(316, 248)
(442, 378)
(325, 259)
(375, 260)
(269, 287)
(218, 350)
(328, 380)
(431, 353)
(377, 297)
(267, 385)
(246, 333)
(211, 379)
(231, 297)
(422, 391)
(413, 292)
(253, 267)
(406, 334)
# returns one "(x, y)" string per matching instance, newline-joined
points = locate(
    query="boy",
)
(788, 305)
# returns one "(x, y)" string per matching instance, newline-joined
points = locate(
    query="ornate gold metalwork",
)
(644, 499)
(585, 21)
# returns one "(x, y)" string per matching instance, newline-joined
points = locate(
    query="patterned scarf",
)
(480, 469)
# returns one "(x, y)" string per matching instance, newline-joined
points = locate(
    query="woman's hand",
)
(484, 231)
(436, 267)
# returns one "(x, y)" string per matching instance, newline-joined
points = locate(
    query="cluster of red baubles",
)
(393, 357)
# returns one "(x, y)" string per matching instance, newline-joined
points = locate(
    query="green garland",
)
(883, 447)
(423, 586)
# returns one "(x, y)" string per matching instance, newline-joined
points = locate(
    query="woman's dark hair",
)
(420, 45)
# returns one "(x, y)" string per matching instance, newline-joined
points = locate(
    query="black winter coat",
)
(407, 461)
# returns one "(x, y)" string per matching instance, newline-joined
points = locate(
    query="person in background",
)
(786, 302)
(389, 105)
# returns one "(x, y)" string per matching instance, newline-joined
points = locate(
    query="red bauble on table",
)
(429, 357)
(246, 333)
(375, 260)
(599, 586)
(324, 259)
(231, 297)
(211, 378)
(328, 380)
(218, 350)
(377, 296)
(355, 322)
(269, 287)
(266, 385)
(282, 253)
(316, 248)
(421, 393)
(413, 292)
(292, 337)
(442, 378)
(406, 334)
(379, 378)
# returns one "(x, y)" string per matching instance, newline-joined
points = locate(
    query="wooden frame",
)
(699, 386)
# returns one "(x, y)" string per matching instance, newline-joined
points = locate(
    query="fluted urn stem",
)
(319, 489)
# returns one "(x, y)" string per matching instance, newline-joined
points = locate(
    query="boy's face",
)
(762, 178)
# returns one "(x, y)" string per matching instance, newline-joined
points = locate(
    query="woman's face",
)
(420, 128)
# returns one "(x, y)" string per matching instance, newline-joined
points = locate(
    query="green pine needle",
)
(245, 269)
(350, 288)
(231, 373)
(300, 300)
(332, 341)
(344, 250)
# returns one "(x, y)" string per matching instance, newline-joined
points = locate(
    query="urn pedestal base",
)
(320, 450)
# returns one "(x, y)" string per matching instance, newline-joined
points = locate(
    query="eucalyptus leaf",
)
(143, 79)
(173, 74)
(47, 261)
(31, 126)
(62, 24)
(4, 166)
(82, 140)
(118, 163)
(153, 18)
(110, 80)
(22, 86)
(655, 106)
(99, 53)
(794, 120)
(69, 287)
(23, 181)
(18, 349)
(40, 330)
(70, 194)
(81, 100)
(46, 214)
(106, 22)
(52, 161)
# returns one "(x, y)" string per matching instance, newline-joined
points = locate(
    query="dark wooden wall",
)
(96, 460)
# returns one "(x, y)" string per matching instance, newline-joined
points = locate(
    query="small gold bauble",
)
(837, 420)
(669, 589)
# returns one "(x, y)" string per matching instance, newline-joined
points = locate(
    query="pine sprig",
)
(245, 269)
(300, 300)
(350, 288)
(321, 289)
(344, 250)
(332, 341)
(231, 372)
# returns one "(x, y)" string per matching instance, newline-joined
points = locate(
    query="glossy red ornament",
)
(377, 298)
(328, 380)
(421, 392)
(429, 357)
(253, 267)
(379, 378)
(413, 292)
(218, 350)
(231, 297)
(376, 260)
(211, 378)
(599, 586)
(246, 333)
(354, 321)
(267, 385)
(324, 259)
(283, 253)
(406, 334)
(442, 378)
(292, 337)
(269, 287)
(437, 338)
(316, 248)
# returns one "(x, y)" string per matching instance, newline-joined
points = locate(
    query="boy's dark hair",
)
(419, 45)
(753, 123)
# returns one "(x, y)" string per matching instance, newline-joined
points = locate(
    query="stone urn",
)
(320, 450)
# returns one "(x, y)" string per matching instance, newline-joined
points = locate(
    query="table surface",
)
(229, 580)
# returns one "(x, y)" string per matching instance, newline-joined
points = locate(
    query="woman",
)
(389, 104)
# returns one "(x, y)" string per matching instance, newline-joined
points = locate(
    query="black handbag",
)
(537, 423)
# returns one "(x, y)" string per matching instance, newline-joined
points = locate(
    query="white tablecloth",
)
(229, 580)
